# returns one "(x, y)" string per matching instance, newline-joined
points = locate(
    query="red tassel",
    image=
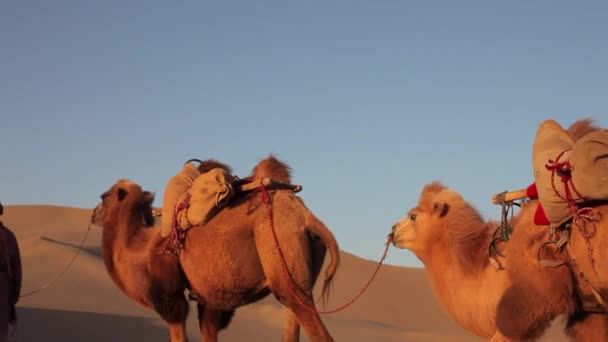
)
(539, 216)
(531, 191)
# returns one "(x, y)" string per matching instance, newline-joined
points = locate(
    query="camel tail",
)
(320, 229)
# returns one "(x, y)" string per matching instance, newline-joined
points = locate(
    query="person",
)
(10, 276)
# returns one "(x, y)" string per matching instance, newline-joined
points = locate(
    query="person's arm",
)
(15, 260)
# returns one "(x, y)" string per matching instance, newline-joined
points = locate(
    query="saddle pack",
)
(569, 172)
(192, 198)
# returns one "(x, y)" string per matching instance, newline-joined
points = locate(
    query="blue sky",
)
(366, 100)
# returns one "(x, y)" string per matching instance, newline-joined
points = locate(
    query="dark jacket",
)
(10, 263)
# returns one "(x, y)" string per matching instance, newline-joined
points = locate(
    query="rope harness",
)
(504, 230)
(174, 242)
(292, 286)
(583, 218)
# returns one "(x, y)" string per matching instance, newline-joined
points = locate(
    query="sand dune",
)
(85, 305)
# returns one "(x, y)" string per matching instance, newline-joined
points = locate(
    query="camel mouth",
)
(399, 241)
(96, 217)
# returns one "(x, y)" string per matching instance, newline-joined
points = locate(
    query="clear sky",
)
(366, 100)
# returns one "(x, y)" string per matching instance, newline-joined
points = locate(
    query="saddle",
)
(192, 198)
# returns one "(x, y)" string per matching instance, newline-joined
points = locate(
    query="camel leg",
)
(174, 310)
(211, 321)
(310, 321)
(177, 332)
(166, 292)
(498, 337)
(583, 326)
(208, 322)
(291, 327)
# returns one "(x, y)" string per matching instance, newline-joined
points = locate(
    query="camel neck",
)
(461, 294)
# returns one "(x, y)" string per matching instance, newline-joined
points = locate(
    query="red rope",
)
(174, 242)
(582, 216)
(292, 286)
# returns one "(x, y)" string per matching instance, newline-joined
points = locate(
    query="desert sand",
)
(84, 304)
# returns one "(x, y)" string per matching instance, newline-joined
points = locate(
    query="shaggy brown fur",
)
(210, 164)
(449, 236)
(586, 326)
(582, 127)
(272, 166)
(538, 294)
(468, 234)
(232, 260)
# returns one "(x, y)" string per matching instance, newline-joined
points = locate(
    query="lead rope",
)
(292, 286)
(65, 269)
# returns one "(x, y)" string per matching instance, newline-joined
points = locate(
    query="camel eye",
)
(413, 217)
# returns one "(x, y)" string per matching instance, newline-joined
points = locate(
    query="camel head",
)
(424, 224)
(124, 197)
(443, 218)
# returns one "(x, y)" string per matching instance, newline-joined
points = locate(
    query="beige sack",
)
(209, 193)
(176, 187)
(551, 140)
(590, 165)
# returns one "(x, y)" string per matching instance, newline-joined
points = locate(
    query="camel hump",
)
(272, 167)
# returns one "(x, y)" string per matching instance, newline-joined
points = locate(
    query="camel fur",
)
(228, 262)
(451, 238)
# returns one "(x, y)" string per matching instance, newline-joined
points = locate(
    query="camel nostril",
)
(391, 236)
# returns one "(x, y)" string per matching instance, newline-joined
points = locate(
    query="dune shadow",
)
(60, 325)
(94, 251)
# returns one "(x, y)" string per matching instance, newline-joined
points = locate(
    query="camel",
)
(538, 293)
(451, 239)
(228, 262)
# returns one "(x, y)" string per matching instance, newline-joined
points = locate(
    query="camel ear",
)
(441, 208)
(122, 193)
